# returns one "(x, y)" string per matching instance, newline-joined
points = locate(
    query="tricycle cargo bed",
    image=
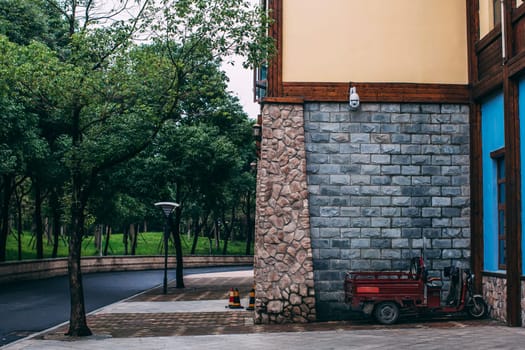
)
(385, 295)
(377, 285)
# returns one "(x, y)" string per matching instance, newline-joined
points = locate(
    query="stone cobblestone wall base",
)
(283, 268)
(523, 303)
(495, 294)
(382, 181)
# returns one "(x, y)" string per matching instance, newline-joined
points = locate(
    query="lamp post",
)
(167, 208)
(257, 135)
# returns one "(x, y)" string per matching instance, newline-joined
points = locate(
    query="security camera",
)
(354, 99)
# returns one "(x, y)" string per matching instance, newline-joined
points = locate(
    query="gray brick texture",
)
(384, 181)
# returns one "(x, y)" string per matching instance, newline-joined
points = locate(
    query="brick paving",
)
(197, 288)
(229, 329)
(200, 289)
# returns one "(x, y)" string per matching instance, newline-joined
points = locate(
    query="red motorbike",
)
(385, 295)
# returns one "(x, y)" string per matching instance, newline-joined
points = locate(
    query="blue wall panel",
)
(521, 105)
(493, 138)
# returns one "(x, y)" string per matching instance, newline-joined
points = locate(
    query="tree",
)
(115, 96)
(21, 142)
(23, 21)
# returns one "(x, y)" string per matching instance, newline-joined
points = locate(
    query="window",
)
(260, 83)
(496, 10)
(499, 159)
(260, 74)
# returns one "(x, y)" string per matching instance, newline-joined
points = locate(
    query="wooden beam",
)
(487, 85)
(380, 92)
(282, 100)
(513, 183)
(275, 66)
(476, 199)
(476, 181)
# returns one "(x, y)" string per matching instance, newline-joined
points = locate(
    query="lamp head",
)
(167, 207)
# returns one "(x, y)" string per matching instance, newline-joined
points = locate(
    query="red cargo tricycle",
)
(385, 295)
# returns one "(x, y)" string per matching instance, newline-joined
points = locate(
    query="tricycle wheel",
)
(387, 312)
(477, 308)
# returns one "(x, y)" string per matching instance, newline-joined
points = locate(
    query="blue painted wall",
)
(493, 138)
(521, 105)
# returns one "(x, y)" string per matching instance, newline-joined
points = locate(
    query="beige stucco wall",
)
(375, 41)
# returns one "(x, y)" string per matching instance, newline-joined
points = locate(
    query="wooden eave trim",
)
(487, 86)
(488, 39)
(379, 92)
(502, 275)
(517, 65)
(282, 100)
(472, 38)
(276, 62)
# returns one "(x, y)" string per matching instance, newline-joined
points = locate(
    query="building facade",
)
(405, 173)
(497, 62)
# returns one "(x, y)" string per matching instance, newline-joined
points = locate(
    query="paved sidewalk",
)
(197, 316)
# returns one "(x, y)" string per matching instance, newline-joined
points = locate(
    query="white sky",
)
(241, 85)
(241, 80)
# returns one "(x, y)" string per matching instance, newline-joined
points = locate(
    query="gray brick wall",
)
(382, 180)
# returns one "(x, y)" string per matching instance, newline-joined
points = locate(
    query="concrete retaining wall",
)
(37, 269)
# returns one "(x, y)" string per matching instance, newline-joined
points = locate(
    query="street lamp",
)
(167, 208)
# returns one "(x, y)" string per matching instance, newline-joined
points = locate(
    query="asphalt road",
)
(32, 306)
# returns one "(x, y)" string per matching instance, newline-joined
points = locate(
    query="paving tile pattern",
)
(199, 288)
(241, 321)
(191, 324)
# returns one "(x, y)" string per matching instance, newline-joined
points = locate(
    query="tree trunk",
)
(77, 320)
(228, 229)
(217, 235)
(250, 227)
(125, 236)
(196, 231)
(55, 209)
(201, 226)
(97, 239)
(108, 235)
(175, 229)
(133, 234)
(19, 222)
(7, 190)
(175, 226)
(39, 227)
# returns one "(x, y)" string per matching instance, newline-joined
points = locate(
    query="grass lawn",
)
(148, 243)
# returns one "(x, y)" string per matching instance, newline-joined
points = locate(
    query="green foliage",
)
(25, 20)
(225, 27)
(20, 140)
(110, 125)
